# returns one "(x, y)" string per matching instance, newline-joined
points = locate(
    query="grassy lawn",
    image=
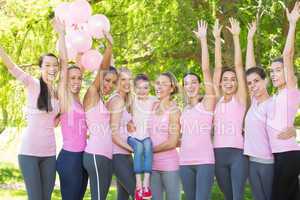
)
(10, 175)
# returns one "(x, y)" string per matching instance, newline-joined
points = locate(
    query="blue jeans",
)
(142, 154)
(197, 180)
(231, 172)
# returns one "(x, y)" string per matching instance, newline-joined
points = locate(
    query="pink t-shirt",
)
(228, 124)
(256, 136)
(159, 133)
(123, 133)
(38, 137)
(282, 112)
(99, 141)
(74, 128)
(196, 143)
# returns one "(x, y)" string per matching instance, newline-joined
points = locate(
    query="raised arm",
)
(63, 95)
(238, 63)
(250, 57)
(209, 98)
(92, 95)
(13, 69)
(288, 52)
(116, 107)
(174, 133)
(218, 58)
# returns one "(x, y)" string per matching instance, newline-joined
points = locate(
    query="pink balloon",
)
(80, 11)
(91, 60)
(62, 11)
(79, 40)
(97, 24)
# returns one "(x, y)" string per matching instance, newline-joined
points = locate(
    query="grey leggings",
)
(99, 169)
(39, 176)
(123, 169)
(231, 172)
(165, 181)
(261, 180)
(197, 181)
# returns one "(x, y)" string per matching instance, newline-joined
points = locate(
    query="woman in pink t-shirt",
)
(38, 148)
(281, 115)
(97, 156)
(119, 108)
(230, 163)
(164, 127)
(73, 126)
(196, 151)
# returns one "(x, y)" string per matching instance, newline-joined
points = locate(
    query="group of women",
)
(258, 143)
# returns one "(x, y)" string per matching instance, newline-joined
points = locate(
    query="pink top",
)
(73, 128)
(123, 133)
(196, 144)
(38, 138)
(282, 112)
(99, 141)
(228, 124)
(159, 133)
(256, 137)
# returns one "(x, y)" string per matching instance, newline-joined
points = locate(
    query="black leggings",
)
(286, 172)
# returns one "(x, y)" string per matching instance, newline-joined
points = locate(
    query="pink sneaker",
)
(138, 194)
(147, 194)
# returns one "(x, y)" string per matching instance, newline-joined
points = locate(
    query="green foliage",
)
(9, 174)
(150, 37)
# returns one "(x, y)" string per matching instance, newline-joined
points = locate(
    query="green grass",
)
(11, 175)
(21, 194)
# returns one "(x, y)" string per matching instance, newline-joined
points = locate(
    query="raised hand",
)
(58, 26)
(234, 27)
(217, 29)
(294, 15)
(201, 32)
(108, 37)
(251, 29)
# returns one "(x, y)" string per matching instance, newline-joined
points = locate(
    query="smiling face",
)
(163, 87)
(124, 82)
(74, 80)
(229, 83)
(256, 85)
(277, 74)
(191, 85)
(109, 82)
(142, 89)
(49, 68)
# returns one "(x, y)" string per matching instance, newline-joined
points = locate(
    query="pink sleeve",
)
(22, 76)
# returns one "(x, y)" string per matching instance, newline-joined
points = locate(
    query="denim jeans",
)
(142, 154)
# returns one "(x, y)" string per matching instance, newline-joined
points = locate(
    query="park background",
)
(150, 36)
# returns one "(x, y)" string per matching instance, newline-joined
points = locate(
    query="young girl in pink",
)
(196, 150)
(139, 138)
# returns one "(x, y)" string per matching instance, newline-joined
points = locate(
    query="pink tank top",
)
(281, 115)
(228, 124)
(99, 141)
(74, 129)
(256, 137)
(196, 144)
(159, 132)
(38, 137)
